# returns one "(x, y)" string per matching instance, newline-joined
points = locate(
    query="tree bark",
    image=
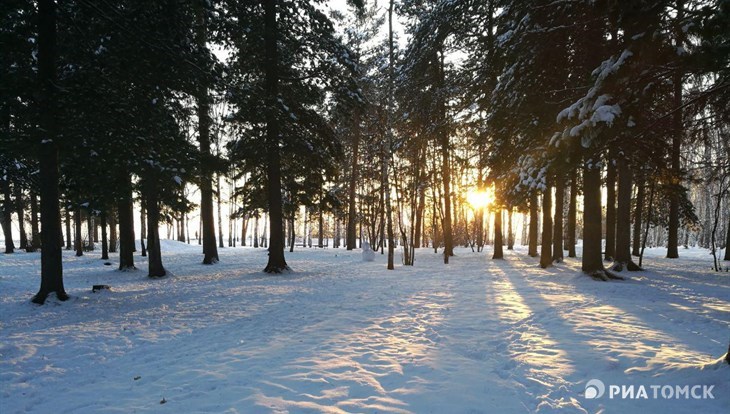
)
(389, 141)
(546, 254)
(19, 204)
(95, 225)
(68, 228)
(572, 212)
(210, 250)
(104, 240)
(418, 231)
(78, 245)
(320, 228)
(592, 262)
(352, 202)
(90, 229)
(256, 230)
(532, 236)
(638, 213)
(155, 267)
(623, 224)
(610, 252)
(51, 264)
(126, 226)
(7, 217)
(673, 236)
(677, 133)
(112, 231)
(498, 242)
(35, 236)
(727, 244)
(244, 229)
(558, 223)
(143, 224)
(220, 214)
(445, 165)
(276, 263)
(510, 231)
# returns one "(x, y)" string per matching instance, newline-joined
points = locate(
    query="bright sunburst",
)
(478, 198)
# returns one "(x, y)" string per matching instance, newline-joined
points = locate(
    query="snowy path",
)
(340, 335)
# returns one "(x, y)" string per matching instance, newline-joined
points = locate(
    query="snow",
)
(343, 335)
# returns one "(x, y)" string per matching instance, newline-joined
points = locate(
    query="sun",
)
(478, 198)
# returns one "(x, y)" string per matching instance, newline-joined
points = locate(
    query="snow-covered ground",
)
(343, 335)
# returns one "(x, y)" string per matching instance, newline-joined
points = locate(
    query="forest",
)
(371, 206)
(401, 123)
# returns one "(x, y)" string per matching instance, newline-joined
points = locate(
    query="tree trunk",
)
(210, 250)
(35, 236)
(277, 263)
(532, 245)
(78, 245)
(68, 228)
(244, 229)
(389, 141)
(112, 231)
(498, 242)
(7, 217)
(104, 240)
(95, 224)
(320, 229)
(572, 212)
(181, 228)
(19, 204)
(510, 232)
(445, 166)
(90, 229)
(610, 207)
(727, 244)
(292, 233)
(638, 213)
(677, 124)
(51, 264)
(558, 222)
(592, 262)
(155, 268)
(523, 236)
(126, 226)
(351, 211)
(418, 235)
(546, 254)
(143, 224)
(220, 214)
(231, 200)
(256, 231)
(623, 224)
